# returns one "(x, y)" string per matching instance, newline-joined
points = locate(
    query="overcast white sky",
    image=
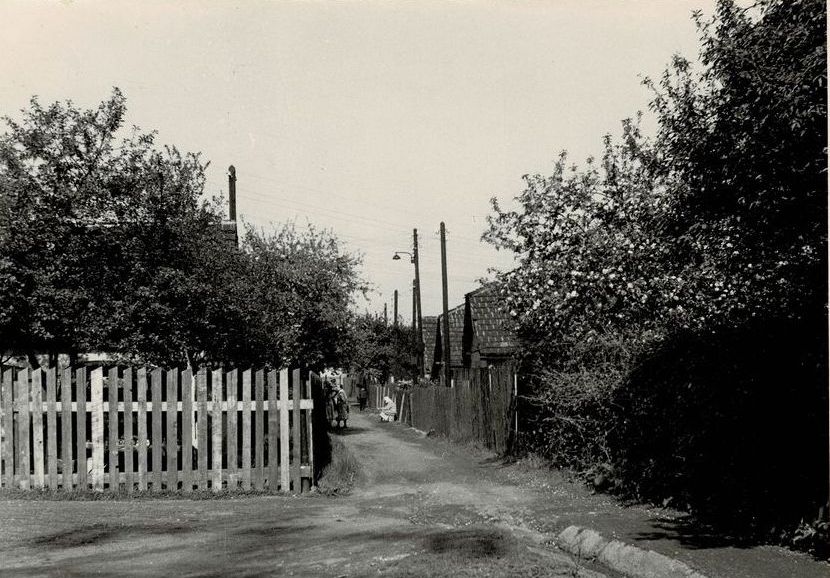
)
(366, 117)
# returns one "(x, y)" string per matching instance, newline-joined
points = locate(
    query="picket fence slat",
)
(66, 427)
(112, 422)
(96, 398)
(23, 420)
(285, 474)
(172, 382)
(259, 429)
(187, 431)
(51, 428)
(129, 444)
(201, 426)
(309, 432)
(8, 427)
(216, 462)
(157, 436)
(37, 427)
(246, 430)
(80, 429)
(296, 449)
(231, 449)
(141, 395)
(124, 426)
(273, 431)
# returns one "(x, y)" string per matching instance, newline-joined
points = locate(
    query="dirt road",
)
(424, 507)
(416, 512)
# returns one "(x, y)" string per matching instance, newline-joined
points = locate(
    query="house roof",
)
(429, 340)
(490, 322)
(456, 323)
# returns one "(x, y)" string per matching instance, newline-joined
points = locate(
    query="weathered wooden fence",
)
(479, 407)
(138, 429)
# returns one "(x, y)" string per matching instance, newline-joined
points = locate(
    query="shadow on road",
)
(694, 535)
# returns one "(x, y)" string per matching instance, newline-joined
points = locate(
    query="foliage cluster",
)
(672, 295)
(107, 245)
(378, 350)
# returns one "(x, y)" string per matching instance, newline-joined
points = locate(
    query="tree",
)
(98, 234)
(673, 300)
(380, 351)
(297, 289)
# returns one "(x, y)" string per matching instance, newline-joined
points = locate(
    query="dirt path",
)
(415, 513)
(424, 507)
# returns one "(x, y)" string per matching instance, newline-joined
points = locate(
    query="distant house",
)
(429, 323)
(456, 324)
(489, 335)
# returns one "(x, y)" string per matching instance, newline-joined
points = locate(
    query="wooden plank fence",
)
(479, 407)
(135, 429)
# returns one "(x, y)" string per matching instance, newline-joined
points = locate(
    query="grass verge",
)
(344, 470)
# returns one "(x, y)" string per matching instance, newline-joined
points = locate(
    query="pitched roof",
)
(429, 323)
(490, 322)
(456, 323)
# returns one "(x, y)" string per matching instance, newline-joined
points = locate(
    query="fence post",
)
(66, 428)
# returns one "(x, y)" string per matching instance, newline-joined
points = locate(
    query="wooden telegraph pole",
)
(420, 325)
(445, 330)
(395, 310)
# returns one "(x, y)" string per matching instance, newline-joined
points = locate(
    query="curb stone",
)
(621, 557)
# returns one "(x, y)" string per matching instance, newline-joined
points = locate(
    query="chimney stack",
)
(231, 193)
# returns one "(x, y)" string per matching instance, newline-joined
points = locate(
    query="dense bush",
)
(672, 296)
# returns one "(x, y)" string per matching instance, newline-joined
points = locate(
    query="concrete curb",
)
(621, 557)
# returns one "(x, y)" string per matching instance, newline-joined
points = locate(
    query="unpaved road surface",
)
(422, 507)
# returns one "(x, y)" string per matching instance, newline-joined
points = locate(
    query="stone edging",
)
(621, 557)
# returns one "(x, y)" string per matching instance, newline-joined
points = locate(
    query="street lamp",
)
(397, 256)
(419, 327)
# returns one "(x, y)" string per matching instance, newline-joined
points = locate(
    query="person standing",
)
(362, 396)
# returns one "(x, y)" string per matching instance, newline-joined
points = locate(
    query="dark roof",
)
(456, 322)
(429, 339)
(492, 326)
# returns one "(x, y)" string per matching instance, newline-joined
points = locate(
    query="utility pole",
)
(446, 329)
(420, 326)
(395, 310)
(232, 193)
(415, 347)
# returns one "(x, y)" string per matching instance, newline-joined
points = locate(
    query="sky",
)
(368, 118)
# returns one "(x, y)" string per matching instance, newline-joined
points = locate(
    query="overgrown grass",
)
(344, 471)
